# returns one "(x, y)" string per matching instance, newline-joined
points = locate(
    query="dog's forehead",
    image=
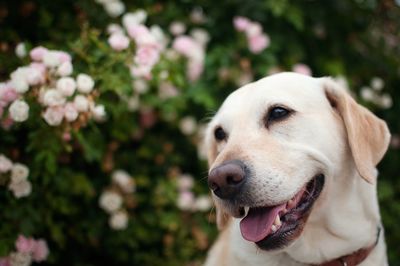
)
(289, 89)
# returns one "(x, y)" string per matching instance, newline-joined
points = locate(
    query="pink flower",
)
(70, 112)
(63, 56)
(185, 182)
(118, 41)
(40, 250)
(141, 71)
(34, 76)
(8, 94)
(185, 200)
(5, 164)
(194, 69)
(39, 67)
(241, 23)
(65, 69)
(54, 115)
(302, 69)
(37, 53)
(253, 29)
(258, 43)
(5, 261)
(66, 136)
(24, 244)
(141, 34)
(185, 45)
(147, 56)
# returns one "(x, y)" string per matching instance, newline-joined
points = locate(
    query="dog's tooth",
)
(290, 204)
(273, 229)
(277, 221)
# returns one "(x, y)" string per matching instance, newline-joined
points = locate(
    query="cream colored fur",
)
(345, 142)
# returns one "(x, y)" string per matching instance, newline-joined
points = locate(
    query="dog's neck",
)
(343, 221)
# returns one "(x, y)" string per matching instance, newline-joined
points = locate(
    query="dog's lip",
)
(292, 218)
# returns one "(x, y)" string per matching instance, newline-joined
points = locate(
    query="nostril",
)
(213, 186)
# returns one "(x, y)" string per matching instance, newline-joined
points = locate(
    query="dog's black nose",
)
(227, 179)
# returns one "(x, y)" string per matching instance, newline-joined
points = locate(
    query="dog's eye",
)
(277, 113)
(219, 134)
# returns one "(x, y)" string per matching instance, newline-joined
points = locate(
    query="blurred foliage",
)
(358, 39)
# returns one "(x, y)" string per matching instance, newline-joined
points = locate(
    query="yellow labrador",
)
(292, 172)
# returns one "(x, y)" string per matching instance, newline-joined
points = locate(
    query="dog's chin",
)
(276, 227)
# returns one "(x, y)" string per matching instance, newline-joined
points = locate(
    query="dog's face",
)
(275, 144)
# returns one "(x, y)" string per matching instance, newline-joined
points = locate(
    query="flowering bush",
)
(103, 105)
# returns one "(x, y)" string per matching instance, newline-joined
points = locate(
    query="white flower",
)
(203, 203)
(201, 36)
(20, 85)
(19, 172)
(367, 94)
(20, 259)
(110, 201)
(99, 113)
(114, 28)
(65, 69)
(20, 50)
(19, 110)
(51, 59)
(188, 125)
(177, 28)
(133, 103)
(66, 86)
(34, 77)
(85, 83)
(70, 112)
(114, 8)
(185, 182)
(54, 115)
(5, 164)
(119, 220)
(377, 83)
(53, 97)
(20, 189)
(81, 103)
(386, 101)
(132, 19)
(124, 181)
(159, 35)
(140, 86)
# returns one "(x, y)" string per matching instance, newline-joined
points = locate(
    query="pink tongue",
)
(257, 224)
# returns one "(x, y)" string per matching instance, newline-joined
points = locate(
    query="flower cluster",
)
(374, 94)
(17, 176)
(192, 47)
(47, 81)
(257, 41)
(186, 199)
(114, 8)
(151, 43)
(28, 250)
(113, 198)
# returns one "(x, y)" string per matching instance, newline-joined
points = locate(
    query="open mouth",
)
(275, 227)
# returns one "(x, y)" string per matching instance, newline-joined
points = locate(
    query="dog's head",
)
(273, 145)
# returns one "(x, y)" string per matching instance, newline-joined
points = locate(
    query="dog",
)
(292, 170)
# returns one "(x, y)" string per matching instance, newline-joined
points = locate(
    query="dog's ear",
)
(368, 135)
